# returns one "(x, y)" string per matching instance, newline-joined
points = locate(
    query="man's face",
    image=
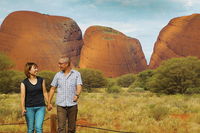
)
(63, 64)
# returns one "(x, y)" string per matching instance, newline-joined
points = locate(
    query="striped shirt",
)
(66, 87)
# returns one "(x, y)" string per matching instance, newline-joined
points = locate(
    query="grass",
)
(141, 112)
(108, 38)
(107, 30)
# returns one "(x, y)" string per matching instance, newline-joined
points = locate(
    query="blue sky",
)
(141, 19)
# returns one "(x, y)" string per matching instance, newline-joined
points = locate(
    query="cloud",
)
(188, 6)
(153, 6)
(188, 3)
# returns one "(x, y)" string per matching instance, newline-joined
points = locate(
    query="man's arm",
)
(78, 87)
(54, 85)
(51, 94)
(78, 92)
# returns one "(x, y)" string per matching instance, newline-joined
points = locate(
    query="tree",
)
(10, 81)
(126, 80)
(142, 79)
(5, 62)
(92, 78)
(176, 75)
(48, 76)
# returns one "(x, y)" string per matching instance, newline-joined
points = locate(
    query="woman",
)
(33, 93)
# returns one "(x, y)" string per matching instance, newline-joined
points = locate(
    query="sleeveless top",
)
(34, 93)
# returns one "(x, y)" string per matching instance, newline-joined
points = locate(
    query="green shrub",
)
(10, 81)
(5, 62)
(125, 80)
(133, 88)
(111, 82)
(113, 89)
(193, 90)
(48, 76)
(176, 75)
(92, 79)
(142, 79)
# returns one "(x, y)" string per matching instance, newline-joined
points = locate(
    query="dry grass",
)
(143, 112)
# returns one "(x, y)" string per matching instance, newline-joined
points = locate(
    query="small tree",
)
(10, 81)
(142, 79)
(5, 62)
(92, 79)
(126, 80)
(176, 75)
(111, 82)
(113, 89)
(48, 76)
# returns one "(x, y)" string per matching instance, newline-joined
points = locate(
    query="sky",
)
(141, 19)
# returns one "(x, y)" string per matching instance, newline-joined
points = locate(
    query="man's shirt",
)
(66, 87)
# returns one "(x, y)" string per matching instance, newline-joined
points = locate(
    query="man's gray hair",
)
(66, 58)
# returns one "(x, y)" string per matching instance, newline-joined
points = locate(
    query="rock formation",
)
(112, 52)
(30, 36)
(180, 38)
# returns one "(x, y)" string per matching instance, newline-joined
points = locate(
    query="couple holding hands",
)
(34, 96)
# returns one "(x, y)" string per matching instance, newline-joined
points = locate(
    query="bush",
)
(133, 88)
(193, 90)
(10, 81)
(5, 62)
(126, 80)
(114, 89)
(176, 75)
(142, 79)
(92, 79)
(48, 76)
(159, 112)
(111, 82)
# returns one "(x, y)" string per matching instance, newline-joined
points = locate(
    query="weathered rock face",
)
(111, 52)
(180, 38)
(30, 36)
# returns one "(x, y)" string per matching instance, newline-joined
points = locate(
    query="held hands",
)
(49, 107)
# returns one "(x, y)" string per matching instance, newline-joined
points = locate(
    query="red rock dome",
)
(41, 38)
(180, 38)
(112, 52)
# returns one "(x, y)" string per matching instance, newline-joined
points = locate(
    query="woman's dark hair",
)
(28, 67)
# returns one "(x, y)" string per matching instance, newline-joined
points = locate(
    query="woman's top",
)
(34, 93)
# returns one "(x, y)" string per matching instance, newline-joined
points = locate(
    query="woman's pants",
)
(34, 118)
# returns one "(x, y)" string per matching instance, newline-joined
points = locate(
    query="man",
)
(68, 83)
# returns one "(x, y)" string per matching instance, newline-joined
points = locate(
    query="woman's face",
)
(34, 70)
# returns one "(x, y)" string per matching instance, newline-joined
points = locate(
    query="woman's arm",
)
(45, 92)
(51, 93)
(22, 87)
